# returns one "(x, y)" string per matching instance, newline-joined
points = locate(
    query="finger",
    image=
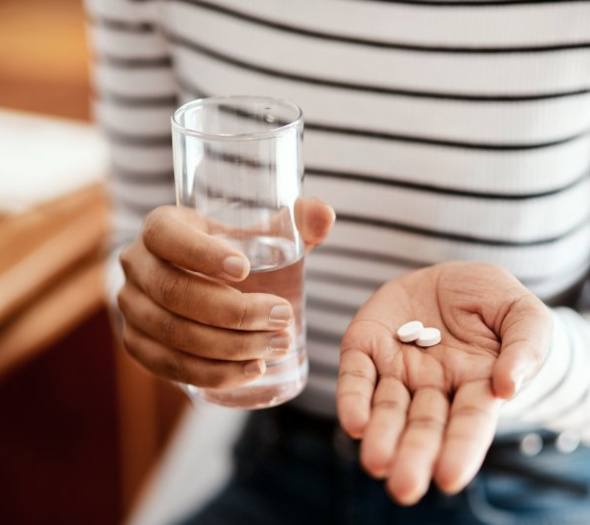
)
(526, 334)
(419, 446)
(314, 220)
(185, 368)
(356, 382)
(195, 338)
(471, 427)
(388, 418)
(201, 299)
(178, 235)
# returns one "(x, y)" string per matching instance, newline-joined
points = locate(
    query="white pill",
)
(429, 337)
(410, 331)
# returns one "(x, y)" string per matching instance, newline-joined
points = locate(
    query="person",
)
(452, 138)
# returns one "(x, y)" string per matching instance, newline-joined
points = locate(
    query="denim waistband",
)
(286, 425)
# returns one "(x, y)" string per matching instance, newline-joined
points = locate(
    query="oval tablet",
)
(429, 337)
(409, 332)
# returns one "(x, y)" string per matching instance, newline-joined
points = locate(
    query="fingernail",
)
(280, 313)
(279, 343)
(234, 265)
(255, 368)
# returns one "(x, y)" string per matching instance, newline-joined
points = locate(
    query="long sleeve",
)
(135, 95)
(558, 397)
(436, 135)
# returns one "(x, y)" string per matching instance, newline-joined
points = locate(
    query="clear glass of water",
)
(238, 164)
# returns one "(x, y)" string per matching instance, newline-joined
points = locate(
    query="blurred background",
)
(82, 429)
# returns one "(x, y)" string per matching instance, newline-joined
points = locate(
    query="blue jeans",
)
(295, 469)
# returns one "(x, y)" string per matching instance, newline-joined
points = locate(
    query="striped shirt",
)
(438, 129)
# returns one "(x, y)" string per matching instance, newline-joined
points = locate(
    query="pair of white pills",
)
(414, 331)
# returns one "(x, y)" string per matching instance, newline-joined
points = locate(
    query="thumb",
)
(314, 219)
(525, 333)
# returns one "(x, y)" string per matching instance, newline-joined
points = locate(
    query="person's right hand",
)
(194, 327)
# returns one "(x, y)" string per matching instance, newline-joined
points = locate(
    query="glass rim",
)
(253, 135)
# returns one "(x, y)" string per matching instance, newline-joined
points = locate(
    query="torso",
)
(437, 132)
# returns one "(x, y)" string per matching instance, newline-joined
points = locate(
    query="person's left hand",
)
(431, 413)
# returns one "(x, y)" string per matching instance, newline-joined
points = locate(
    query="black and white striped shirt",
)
(451, 129)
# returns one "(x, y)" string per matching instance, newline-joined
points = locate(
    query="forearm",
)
(558, 397)
(135, 95)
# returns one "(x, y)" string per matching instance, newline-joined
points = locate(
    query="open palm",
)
(432, 413)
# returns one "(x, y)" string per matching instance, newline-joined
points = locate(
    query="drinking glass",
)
(238, 164)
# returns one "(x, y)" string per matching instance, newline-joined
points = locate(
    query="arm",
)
(135, 95)
(194, 328)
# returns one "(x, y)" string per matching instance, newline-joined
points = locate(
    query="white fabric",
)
(45, 157)
(475, 118)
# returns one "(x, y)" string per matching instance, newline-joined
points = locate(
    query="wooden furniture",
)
(82, 424)
(52, 304)
(50, 272)
(59, 440)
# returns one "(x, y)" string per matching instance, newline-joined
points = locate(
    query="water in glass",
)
(276, 268)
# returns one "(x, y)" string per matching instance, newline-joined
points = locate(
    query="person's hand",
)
(431, 413)
(193, 326)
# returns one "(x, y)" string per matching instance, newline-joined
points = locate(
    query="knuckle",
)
(130, 344)
(171, 289)
(149, 234)
(202, 254)
(241, 313)
(353, 342)
(239, 345)
(215, 378)
(501, 271)
(531, 303)
(358, 374)
(165, 363)
(391, 405)
(168, 289)
(167, 328)
(471, 411)
(356, 394)
(171, 366)
(348, 343)
(427, 423)
(494, 273)
(125, 259)
(125, 338)
(152, 225)
(122, 300)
